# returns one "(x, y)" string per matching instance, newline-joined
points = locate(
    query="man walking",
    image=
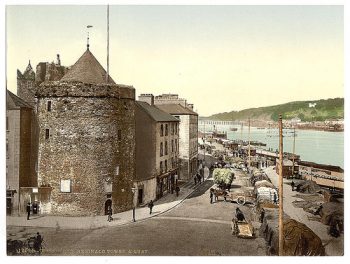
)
(150, 206)
(211, 196)
(199, 178)
(293, 184)
(109, 212)
(38, 243)
(28, 210)
(275, 198)
(177, 190)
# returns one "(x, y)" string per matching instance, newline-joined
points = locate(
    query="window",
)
(175, 145)
(161, 149)
(166, 165)
(172, 163)
(66, 186)
(172, 145)
(166, 147)
(47, 133)
(176, 129)
(166, 129)
(161, 167)
(49, 106)
(161, 130)
(172, 128)
(119, 134)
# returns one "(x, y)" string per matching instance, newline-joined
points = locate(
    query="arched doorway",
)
(108, 203)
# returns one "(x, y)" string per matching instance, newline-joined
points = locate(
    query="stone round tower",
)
(86, 141)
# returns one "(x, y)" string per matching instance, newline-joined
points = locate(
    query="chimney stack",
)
(148, 98)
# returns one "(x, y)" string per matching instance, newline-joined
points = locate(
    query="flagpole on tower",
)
(88, 45)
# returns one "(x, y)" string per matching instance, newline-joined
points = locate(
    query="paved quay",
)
(333, 246)
(161, 206)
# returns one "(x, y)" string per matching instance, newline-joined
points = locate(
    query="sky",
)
(220, 58)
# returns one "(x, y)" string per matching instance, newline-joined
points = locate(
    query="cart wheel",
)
(241, 200)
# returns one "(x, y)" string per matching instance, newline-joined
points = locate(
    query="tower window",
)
(47, 133)
(49, 106)
(66, 186)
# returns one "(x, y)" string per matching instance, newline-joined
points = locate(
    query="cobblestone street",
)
(194, 227)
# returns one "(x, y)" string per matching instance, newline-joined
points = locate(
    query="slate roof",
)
(14, 102)
(156, 114)
(176, 109)
(87, 70)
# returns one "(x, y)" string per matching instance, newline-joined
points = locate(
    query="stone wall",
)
(26, 88)
(49, 72)
(91, 143)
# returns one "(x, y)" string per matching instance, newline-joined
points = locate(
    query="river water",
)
(315, 146)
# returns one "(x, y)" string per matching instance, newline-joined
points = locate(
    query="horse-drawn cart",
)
(239, 198)
(242, 229)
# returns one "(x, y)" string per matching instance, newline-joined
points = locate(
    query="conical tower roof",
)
(87, 70)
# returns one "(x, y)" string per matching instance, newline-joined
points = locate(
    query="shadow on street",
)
(202, 189)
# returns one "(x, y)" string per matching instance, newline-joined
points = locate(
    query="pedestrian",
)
(262, 215)
(150, 206)
(109, 212)
(211, 195)
(177, 190)
(199, 178)
(239, 215)
(38, 243)
(195, 180)
(275, 198)
(293, 184)
(225, 195)
(28, 210)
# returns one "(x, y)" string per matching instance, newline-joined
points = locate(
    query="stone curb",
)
(121, 223)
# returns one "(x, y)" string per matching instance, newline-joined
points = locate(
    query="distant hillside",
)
(324, 109)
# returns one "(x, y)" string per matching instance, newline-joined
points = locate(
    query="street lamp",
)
(133, 189)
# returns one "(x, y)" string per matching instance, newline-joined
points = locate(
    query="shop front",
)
(166, 183)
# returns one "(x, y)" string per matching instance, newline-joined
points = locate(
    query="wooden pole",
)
(293, 152)
(249, 143)
(204, 142)
(280, 194)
